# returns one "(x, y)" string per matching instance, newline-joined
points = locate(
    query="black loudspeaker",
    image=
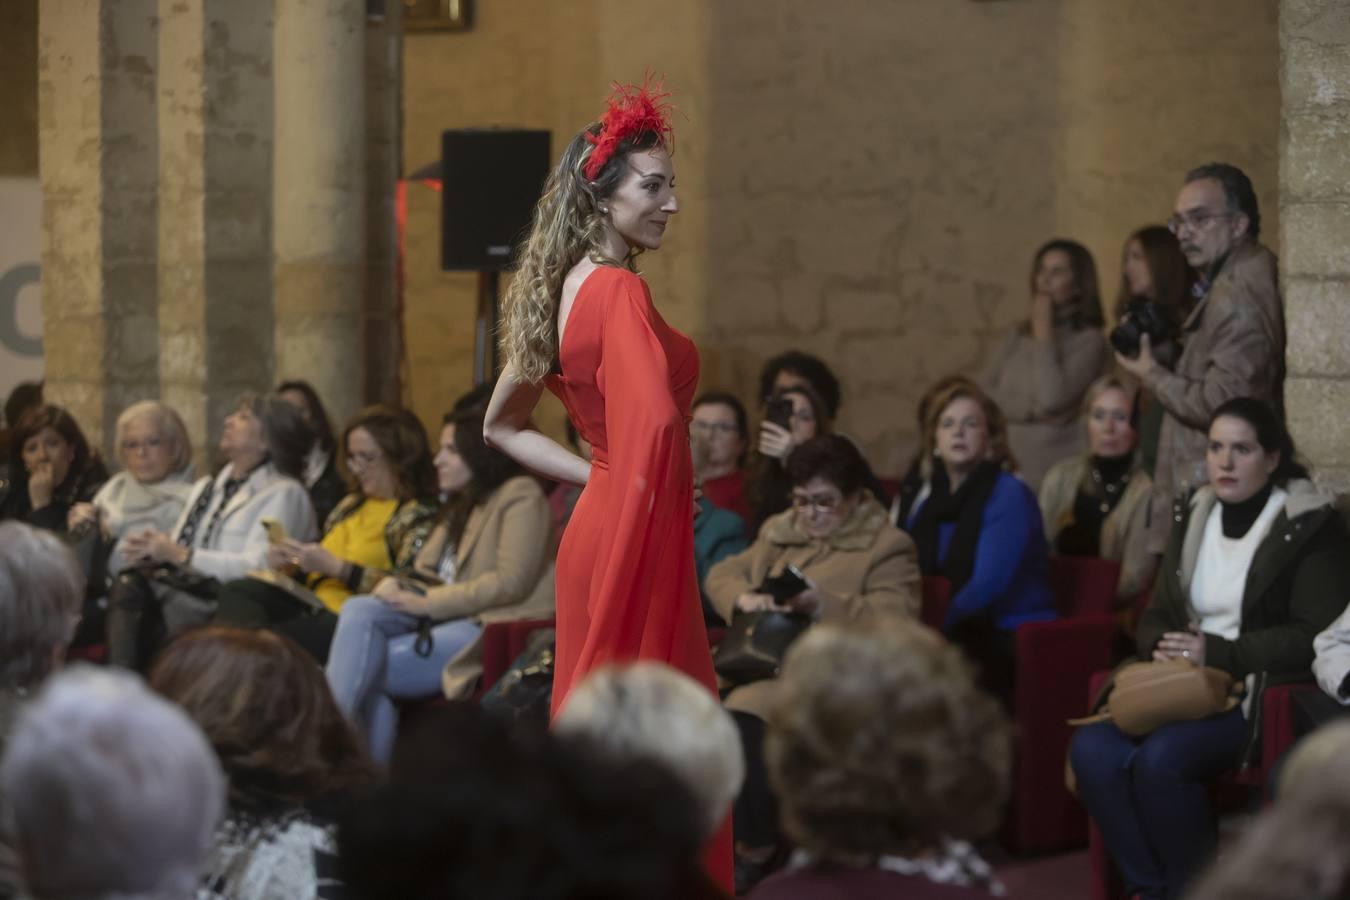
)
(491, 180)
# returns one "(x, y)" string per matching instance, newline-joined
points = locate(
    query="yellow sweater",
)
(357, 539)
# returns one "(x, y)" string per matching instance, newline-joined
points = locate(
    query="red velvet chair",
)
(1277, 736)
(501, 643)
(1055, 660)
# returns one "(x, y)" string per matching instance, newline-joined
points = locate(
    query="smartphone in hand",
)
(276, 533)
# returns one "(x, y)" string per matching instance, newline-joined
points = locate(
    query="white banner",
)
(20, 302)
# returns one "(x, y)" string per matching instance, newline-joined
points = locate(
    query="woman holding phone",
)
(838, 544)
(486, 559)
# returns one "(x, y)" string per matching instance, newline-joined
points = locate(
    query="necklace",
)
(1112, 488)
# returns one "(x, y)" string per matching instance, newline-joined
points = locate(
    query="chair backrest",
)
(1083, 585)
(937, 593)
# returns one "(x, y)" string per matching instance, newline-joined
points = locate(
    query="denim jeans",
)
(372, 663)
(1149, 796)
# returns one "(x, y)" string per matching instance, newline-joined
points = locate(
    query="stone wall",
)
(864, 180)
(1315, 215)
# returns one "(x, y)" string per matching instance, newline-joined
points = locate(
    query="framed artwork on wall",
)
(437, 15)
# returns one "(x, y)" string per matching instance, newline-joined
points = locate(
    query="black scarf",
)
(966, 509)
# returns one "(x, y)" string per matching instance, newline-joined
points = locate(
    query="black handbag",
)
(525, 691)
(755, 644)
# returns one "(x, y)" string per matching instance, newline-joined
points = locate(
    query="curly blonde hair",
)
(879, 744)
(567, 225)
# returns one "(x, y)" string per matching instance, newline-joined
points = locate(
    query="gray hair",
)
(649, 710)
(41, 590)
(168, 425)
(115, 792)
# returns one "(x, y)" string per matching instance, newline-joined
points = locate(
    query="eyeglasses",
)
(1194, 222)
(713, 427)
(821, 503)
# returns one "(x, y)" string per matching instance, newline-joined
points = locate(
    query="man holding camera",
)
(1233, 339)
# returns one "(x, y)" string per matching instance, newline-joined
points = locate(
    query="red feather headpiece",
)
(631, 111)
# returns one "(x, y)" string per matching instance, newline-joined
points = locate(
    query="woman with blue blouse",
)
(979, 526)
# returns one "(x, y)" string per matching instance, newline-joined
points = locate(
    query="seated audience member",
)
(768, 488)
(487, 560)
(41, 588)
(291, 760)
(1096, 505)
(173, 578)
(1296, 848)
(1156, 297)
(797, 369)
(482, 811)
(1039, 372)
(978, 526)
(321, 475)
(915, 477)
(888, 761)
(24, 396)
(650, 711)
(51, 468)
(115, 793)
(155, 454)
(377, 529)
(857, 566)
(1332, 664)
(1258, 564)
(720, 425)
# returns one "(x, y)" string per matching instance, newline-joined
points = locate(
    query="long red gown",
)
(626, 585)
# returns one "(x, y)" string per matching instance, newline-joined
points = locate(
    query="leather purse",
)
(1147, 695)
(525, 691)
(755, 644)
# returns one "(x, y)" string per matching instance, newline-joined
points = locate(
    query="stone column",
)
(99, 171)
(1315, 230)
(384, 152)
(319, 201)
(215, 274)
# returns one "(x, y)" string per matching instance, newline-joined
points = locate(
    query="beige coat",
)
(1039, 385)
(1124, 536)
(1234, 347)
(867, 567)
(503, 570)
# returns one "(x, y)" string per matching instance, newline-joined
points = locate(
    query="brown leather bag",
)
(1146, 695)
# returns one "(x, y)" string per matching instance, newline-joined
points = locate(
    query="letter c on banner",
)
(11, 283)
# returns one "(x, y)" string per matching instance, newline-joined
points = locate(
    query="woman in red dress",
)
(579, 321)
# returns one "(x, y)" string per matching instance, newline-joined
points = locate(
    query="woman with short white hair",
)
(40, 592)
(115, 793)
(155, 454)
(651, 711)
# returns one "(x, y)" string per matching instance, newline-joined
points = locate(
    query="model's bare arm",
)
(506, 428)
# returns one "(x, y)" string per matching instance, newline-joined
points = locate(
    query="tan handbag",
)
(1146, 695)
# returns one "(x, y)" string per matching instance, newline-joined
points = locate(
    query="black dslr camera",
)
(1142, 318)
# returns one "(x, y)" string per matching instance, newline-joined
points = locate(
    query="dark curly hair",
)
(491, 468)
(879, 743)
(832, 457)
(403, 441)
(267, 711)
(813, 369)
